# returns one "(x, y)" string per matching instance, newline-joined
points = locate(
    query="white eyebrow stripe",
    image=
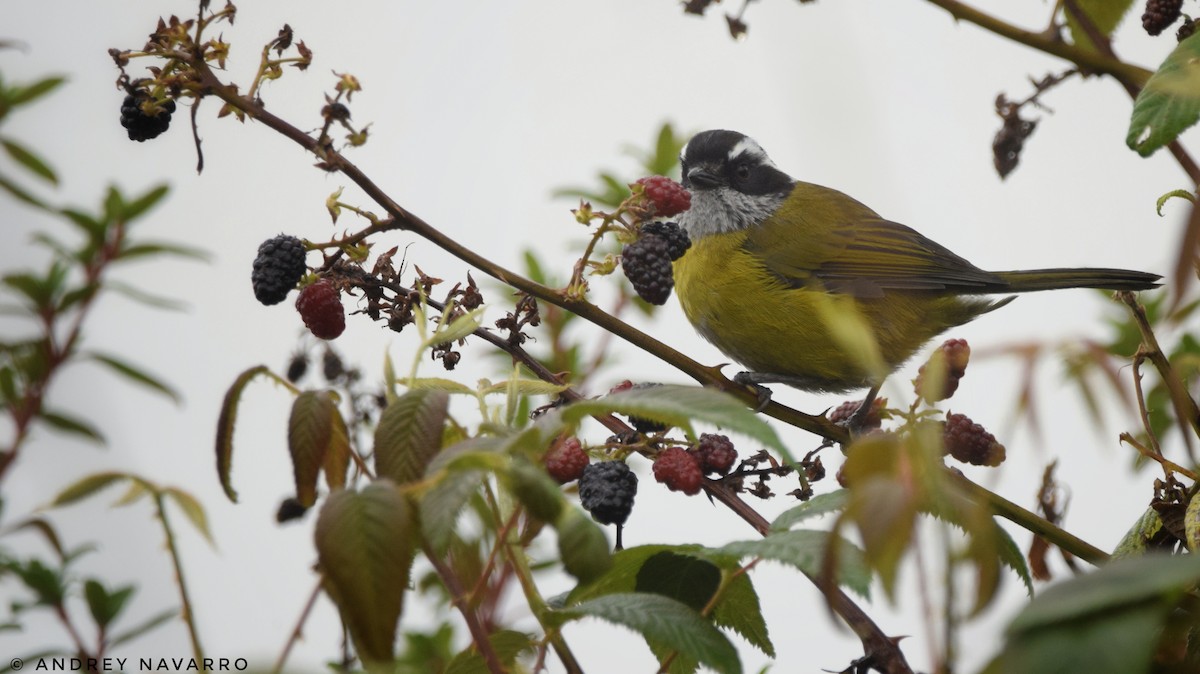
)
(748, 145)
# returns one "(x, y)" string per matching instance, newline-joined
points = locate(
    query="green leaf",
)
(666, 623)
(21, 194)
(582, 546)
(442, 504)
(1170, 101)
(144, 627)
(1108, 621)
(45, 528)
(28, 94)
(740, 611)
(525, 387)
(93, 228)
(29, 160)
(134, 209)
(438, 384)
(45, 582)
(135, 374)
(409, 434)
(192, 510)
(310, 433)
(105, 606)
(225, 423)
(821, 504)
(1136, 540)
(1104, 15)
(159, 248)
(1186, 195)
(507, 644)
(806, 551)
(365, 551)
(68, 424)
(533, 488)
(684, 578)
(143, 297)
(678, 406)
(87, 486)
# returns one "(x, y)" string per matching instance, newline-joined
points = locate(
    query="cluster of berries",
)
(647, 261)
(277, 269)
(970, 443)
(140, 126)
(682, 469)
(950, 362)
(1160, 14)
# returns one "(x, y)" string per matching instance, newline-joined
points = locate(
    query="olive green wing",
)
(821, 237)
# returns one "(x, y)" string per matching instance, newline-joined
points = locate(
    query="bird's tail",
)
(1054, 279)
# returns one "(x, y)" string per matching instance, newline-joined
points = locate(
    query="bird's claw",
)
(761, 393)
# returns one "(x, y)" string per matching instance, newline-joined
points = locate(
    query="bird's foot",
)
(761, 393)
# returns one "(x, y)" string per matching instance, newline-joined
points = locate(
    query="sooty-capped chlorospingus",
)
(805, 286)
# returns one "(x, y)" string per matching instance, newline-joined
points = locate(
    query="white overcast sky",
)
(479, 110)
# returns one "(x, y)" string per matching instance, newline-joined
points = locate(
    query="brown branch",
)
(458, 597)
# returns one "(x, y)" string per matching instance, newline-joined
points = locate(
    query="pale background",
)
(478, 112)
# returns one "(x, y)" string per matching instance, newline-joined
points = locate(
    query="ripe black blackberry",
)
(140, 126)
(1160, 14)
(970, 443)
(647, 265)
(1186, 29)
(676, 237)
(278, 267)
(641, 424)
(606, 490)
(290, 509)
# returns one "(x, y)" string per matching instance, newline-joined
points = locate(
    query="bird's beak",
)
(701, 178)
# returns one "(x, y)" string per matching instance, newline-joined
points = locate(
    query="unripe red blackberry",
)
(278, 267)
(669, 197)
(970, 443)
(140, 126)
(715, 453)
(676, 237)
(606, 490)
(320, 305)
(874, 419)
(1160, 14)
(566, 460)
(647, 265)
(679, 470)
(955, 354)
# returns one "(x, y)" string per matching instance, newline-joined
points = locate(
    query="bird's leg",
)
(755, 381)
(857, 420)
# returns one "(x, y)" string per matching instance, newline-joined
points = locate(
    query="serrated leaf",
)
(144, 627)
(678, 406)
(310, 430)
(409, 434)
(622, 576)
(740, 611)
(458, 328)
(365, 551)
(29, 160)
(1136, 540)
(507, 644)
(1170, 101)
(665, 622)
(1108, 621)
(442, 504)
(806, 550)
(191, 509)
(87, 486)
(525, 387)
(337, 454)
(134, 374)
(582, 546)
(683, 578)
(225, 424)
(821, 504)
(439, 384)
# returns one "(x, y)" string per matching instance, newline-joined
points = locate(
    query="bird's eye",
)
(741, 172)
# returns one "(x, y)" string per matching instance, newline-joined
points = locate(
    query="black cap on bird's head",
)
(734, 184)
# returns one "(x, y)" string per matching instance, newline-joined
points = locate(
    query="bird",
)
(806, 286)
